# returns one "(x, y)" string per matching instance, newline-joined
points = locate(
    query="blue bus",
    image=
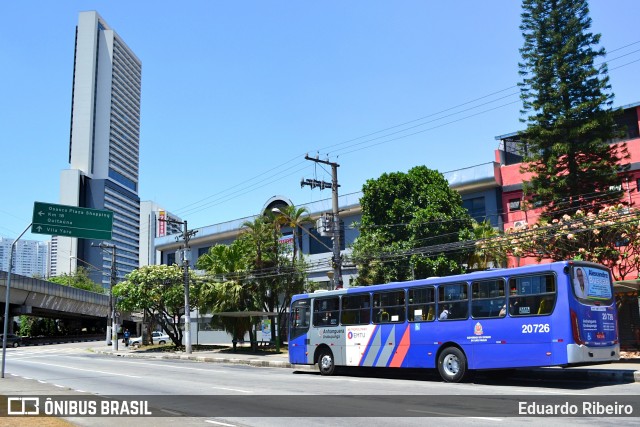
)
(555, 314)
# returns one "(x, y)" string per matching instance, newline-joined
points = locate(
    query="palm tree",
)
(486, 253)
(258, 232)
(228, 292)
(294, 218)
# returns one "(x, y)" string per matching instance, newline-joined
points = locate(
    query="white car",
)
(157, 336)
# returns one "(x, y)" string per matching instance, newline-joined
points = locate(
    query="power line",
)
(270, 176)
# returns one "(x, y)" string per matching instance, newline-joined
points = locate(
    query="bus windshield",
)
(591, 284)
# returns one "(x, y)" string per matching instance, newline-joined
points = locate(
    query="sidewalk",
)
(623, 371)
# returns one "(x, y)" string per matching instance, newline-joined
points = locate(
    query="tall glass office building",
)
(104, 147)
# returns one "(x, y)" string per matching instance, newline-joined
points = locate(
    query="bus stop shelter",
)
(255, 343)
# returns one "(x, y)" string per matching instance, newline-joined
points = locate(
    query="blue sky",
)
(235, 93)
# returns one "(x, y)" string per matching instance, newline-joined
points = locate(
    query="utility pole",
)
(112, 307)
(186, 234)
(336, 261)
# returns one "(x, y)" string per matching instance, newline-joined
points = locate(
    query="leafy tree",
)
(568, 101)
(292, 277)
(402, 213)
(294, 218)
(37, 326)
(610, 237)
(253, 274)
(228, 290)
(80, 279)
(157, 290)
(486, 254)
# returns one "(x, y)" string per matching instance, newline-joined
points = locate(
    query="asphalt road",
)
(218, 394)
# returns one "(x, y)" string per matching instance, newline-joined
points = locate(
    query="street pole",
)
(112, 308)
(337, 259)
(187, 313)
(7, 299)
(185, 263)
(113, 328)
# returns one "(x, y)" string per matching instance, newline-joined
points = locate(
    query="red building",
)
(509, 157)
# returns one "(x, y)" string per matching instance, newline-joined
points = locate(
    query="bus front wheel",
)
(452, 365)
(326, 364)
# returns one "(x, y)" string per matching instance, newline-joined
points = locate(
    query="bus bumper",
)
(583, 354)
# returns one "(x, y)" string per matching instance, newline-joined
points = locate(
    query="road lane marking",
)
(552, 392)
(232, 389)
(219, 423)
(80, 369)
(158, 365)
(448, 414)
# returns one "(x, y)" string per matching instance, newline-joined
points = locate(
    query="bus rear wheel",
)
(326, 364)
(452, 365)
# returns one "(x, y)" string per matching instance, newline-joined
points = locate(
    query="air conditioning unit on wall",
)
(519, 224)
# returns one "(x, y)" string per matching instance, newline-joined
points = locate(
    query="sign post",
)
(71, 221)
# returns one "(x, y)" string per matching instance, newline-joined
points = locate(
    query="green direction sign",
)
(71, 221)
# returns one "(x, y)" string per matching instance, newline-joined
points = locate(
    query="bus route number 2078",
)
(536, 328)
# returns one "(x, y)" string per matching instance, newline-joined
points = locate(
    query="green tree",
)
(568, 101)
(294, 218)
(610, 237)
(80, 279)
(228, 289)
(403, 213)
(157, 291)
(486, 254)
(292, 279)
(36, 326)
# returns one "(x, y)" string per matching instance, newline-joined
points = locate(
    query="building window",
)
(117, 176)
(476, 208)
(315, 247)
(171, 258)
(514, 205)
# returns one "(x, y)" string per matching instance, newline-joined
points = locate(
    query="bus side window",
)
(454, 299)
(356, 309)
(299, 323)
(532, 295)
(389, 306)
(421, 304)
(487, 300)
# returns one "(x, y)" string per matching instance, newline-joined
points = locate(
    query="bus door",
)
(593, 314)
(299, 322)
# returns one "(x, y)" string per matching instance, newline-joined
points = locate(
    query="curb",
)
(212, 359)
(602, 375)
